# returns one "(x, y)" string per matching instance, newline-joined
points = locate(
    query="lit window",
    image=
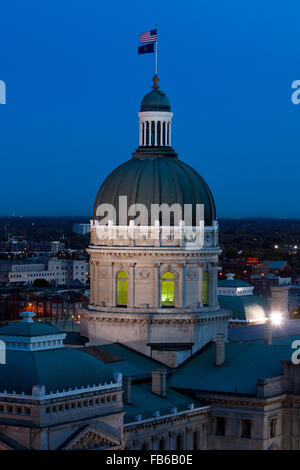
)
(122, 289)
(205, 288)
(168, 290)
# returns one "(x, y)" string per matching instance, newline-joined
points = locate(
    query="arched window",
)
(168, 290)
(122, 289)
(205, 288)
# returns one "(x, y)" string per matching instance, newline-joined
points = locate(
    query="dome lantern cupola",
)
(155, 118)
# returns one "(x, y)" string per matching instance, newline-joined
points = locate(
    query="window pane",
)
(122, 288)
(167, 290)
(205, 288)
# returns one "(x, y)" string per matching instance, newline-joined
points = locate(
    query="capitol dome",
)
(155, 175)
(156, 180)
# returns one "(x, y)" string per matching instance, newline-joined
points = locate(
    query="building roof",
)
(156, 100)
(245, 364)
(145, 402)
(156, 180)
(129, 362)
(233, 283)
(256, 332)
(59, 370)
(28, 329)
(245, 307)
(277, 264)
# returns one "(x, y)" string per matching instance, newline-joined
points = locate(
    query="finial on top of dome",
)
(27, 317)
(155, 85)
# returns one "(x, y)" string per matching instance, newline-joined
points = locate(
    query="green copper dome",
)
(156, 179)
(156, 100)
(155, 175)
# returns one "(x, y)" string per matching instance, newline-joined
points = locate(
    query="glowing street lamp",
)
(276, 318)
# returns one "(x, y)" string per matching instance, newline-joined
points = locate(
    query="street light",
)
(276, 318)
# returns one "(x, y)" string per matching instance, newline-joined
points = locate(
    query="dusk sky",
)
(75, 82)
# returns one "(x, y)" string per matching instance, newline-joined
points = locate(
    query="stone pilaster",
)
(131, 299)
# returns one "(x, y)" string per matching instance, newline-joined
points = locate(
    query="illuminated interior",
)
(122, 289)
(205, 288)
(167, 290)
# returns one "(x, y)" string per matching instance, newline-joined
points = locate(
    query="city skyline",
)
(72, 101)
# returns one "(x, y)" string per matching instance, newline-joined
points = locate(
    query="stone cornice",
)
(169, 418)
(153, 316)
(151, 251)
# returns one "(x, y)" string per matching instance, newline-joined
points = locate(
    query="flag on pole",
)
(146, 48)
(148, 36)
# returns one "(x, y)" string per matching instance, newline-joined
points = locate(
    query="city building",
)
(22, 246)
(157, 293)
(57, 271)
(237, 296)
(53, 397)
(243, 268)
(81, 229)
(263, 284)
(157, 371)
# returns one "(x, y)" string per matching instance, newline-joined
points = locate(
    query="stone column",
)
(210, 283)
(131, 299)
(155, 443)
(96, 285)
(172, 440)
(92, 282)
(198, 439)
(155, 133)
(111, 281)
(145, 129)
(141, 131)
(181, 300)
(170, 142)
(113, 286)
(204, 436)
(161, 132)
(150, 126)
(157, 287)
(214, 283)
(183, 440)
(200, 278)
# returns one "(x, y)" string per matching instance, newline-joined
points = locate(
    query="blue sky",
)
(75, 82)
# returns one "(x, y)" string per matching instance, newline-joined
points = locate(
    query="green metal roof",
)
(131, 364)
(145, 402)
(245, 307)
(34, 328)
(155, 100)
(233, 283)
(57, 369)
(245, 364)
(156, 180)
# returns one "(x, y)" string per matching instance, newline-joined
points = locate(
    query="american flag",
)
(148, 36)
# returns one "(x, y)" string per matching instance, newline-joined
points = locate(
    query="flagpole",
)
(156, 52)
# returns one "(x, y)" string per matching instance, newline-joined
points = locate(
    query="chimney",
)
(268, 333)
(279, 300)
(159, 382)
(127, 390)
(220, 349)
